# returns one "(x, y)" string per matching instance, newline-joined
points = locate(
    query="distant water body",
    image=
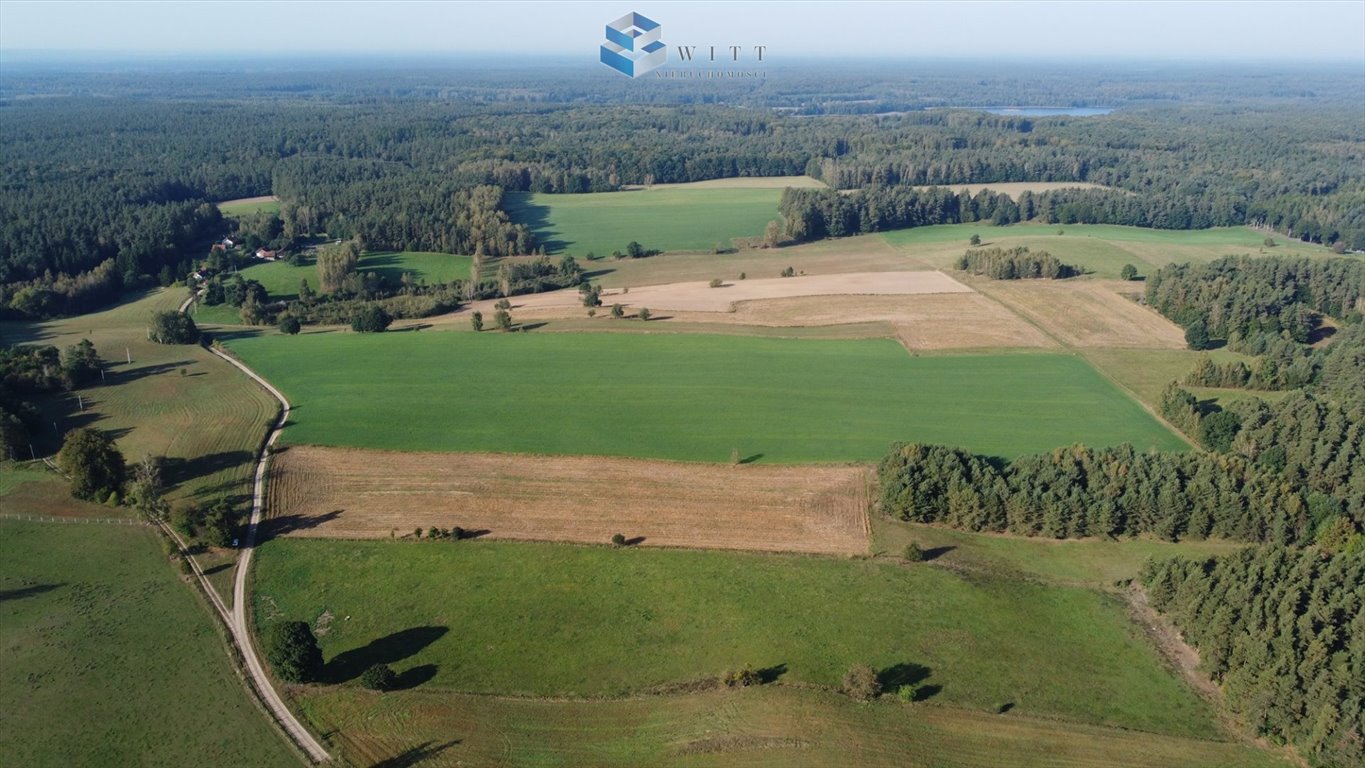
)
(1045, 111)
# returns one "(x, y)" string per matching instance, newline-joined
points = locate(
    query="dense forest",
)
(1081, 491)
(1283, 631)
(103, 192)
(1243, 299)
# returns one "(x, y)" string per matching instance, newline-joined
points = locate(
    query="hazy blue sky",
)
(1185, 30)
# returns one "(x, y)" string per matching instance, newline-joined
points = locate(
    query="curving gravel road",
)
(236, 619)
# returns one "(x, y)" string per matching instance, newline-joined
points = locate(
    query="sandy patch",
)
(1088, 313)
(350, 493)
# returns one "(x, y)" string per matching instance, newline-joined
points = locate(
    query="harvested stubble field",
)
(1087, 313)
(701, 297)
(344, 493)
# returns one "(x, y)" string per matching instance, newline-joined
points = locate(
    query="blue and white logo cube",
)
(633, 46)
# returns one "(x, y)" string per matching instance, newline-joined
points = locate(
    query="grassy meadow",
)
(246, 206)
(1102, 249)
(555, 619)
(689, 397)
(766, 727)
(665, 218)
(111, 660)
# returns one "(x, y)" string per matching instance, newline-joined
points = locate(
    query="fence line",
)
(50, 519)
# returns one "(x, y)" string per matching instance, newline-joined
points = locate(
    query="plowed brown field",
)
(348, 493)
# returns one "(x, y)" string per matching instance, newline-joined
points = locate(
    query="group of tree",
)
(1245, 299)
(172, 327)
(1282, 630)
(30, 371)
(1106, 492)
(1016, 263)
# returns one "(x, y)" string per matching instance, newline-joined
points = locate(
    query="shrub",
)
(503, 319)
(379, 677)
(293, 651)
(457, 533)
(913, 553)
(742, 275)
(906, 693)
(434, 533)
(290, 325)
(618, 539)
(618, 311)
(372, 319)
(716, 282)
(861, 683)
(975, 240)
(1129, 272)
(476, 320)
(644, 314)
(741, 678)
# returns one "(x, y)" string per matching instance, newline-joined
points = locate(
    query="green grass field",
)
(690, 397)
(110, 660)
(1101, 248)
(767, 727)
(663, 218)
(249, 205)
(553, 619)
(1095, 563)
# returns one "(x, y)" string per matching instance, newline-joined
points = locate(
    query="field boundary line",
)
(1079, 352)
(91, 520)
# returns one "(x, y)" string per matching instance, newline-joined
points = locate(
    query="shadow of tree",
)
(934, 553)
(895, 676)
(176, 471)
(279, 526)
(415, 755)
(22, 592)
(348, 665)
(771, 674)
(414, 677)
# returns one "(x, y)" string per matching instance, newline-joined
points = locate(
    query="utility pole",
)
(129, 354)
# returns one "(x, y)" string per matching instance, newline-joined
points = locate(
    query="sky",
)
(1201, 31)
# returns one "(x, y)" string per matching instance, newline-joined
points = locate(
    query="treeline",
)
(1240, 298)
(30, 370)
(1081, 491)
(1016, 263)
(1283, 632)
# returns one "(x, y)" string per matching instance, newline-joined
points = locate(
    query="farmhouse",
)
(267, 255)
